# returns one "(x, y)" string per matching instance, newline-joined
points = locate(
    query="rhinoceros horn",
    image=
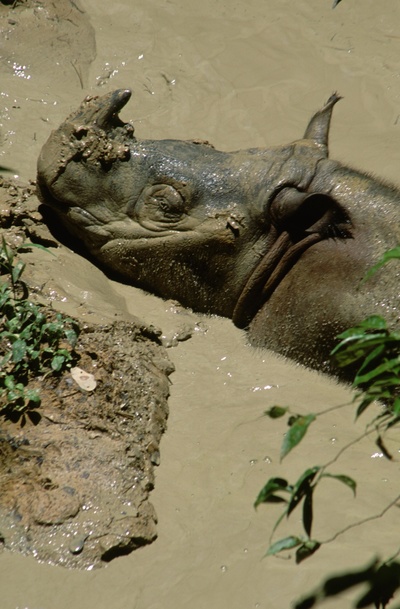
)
(318, 127)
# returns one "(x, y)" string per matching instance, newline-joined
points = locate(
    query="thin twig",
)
(360, 522)
(342, 450)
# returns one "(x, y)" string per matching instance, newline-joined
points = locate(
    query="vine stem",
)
(360, 522)
(346, 447)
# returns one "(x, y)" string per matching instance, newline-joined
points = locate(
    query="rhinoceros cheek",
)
(314, 302)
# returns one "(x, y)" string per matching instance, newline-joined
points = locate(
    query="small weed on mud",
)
(33, 342)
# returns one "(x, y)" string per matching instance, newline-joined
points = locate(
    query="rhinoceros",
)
(277, 239)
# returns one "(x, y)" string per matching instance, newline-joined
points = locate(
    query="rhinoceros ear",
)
(300, 214)
(318, 127)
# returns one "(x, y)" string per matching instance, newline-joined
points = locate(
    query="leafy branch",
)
(302, 491)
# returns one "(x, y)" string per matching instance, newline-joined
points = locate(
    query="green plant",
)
(374, 350)
(301, 492)
(32, 342)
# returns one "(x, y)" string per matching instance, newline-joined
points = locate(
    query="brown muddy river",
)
(239, 74)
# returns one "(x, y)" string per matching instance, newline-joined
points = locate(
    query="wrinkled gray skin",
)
(277, 239)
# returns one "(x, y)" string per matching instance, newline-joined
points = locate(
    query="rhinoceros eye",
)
(160, 204)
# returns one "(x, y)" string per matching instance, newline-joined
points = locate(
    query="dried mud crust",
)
(74, 486)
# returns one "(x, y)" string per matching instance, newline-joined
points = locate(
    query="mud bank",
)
(77, 472)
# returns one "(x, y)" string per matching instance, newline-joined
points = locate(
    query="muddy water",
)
(239, 74)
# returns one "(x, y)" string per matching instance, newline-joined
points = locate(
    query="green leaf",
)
(306, 549)
(17, 271)
(28, 245)
(18, 350)
(9, 382)
(392, 364)
(57, 362)
(357, 348)
(350, 482)
(5, 359)
(283, 544)
(6, 253)
(396, 406)
(71, 337)
(374, 354)
(301, 488)
(32, 395)
(32, 339)
(380, 444)
(371, 323)
(51, 331)
(34, 354)
(308, 510)
(275, 412)
(364, 405)
(296, 433)
(267, 493)
(389, 255)
(13, 395)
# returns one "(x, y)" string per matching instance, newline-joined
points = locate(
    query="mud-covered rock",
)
(74, 487)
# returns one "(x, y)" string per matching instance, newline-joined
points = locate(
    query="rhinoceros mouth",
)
(289, 244)
(69, 212)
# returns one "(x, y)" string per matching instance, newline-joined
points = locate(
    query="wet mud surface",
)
(238, 75)
(61, 27)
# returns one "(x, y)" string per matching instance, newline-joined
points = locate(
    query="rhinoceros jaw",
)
(267, 275)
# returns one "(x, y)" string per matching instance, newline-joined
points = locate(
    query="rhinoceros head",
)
(215, 230)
